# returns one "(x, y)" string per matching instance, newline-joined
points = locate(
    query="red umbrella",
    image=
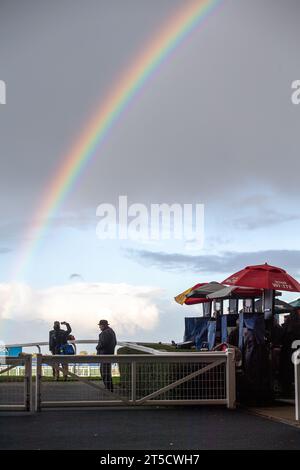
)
(264, 276)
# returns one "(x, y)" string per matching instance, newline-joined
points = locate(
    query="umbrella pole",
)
(268, 303)
(269, 309)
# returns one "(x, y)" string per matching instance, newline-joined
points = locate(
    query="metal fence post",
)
(296, 360)
(28, 383)
(230, 379)
(133, 382)
(38, 378)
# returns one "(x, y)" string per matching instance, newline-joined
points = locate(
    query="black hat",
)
(103, 322)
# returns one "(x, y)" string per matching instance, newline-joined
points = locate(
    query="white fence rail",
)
(41, 344)
(149, 378)
(164, 379)
(193, 378)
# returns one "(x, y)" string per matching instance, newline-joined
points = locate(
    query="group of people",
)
(60, 343)
(268, 354)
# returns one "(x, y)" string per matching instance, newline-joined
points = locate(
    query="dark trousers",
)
(55, 367)
(105, 370)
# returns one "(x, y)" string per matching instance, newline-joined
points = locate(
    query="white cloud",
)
(128, 308)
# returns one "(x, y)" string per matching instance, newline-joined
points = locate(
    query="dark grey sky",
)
(216, 119)
(215, 125)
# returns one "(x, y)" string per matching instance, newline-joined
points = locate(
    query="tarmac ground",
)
(176, 428)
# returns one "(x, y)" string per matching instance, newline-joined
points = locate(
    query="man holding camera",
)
(58, 340)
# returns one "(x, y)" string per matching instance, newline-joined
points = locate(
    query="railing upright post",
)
(28, 383)
(133, 382)
(38, 379)
(230, 379)
(296, 360)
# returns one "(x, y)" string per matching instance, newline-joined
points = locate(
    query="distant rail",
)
(128, 344)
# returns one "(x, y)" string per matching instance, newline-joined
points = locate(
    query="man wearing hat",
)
(106, 345)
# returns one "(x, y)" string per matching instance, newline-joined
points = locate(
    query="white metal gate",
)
(165, 379)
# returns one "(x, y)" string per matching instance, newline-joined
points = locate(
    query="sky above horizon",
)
(215, 125)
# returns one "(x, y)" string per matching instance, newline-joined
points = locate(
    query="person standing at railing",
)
(106, 345)
(58, 343)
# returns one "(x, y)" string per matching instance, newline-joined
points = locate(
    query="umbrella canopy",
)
(264, 276)
(197, 294)
(205, 289)
(233, 292)
(181, 298)
(295, 303)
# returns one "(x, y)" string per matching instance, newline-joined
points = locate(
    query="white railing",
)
(40, 344)
(162, 379)
(155, 377)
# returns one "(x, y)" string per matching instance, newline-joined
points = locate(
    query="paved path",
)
(163, 428)
(12, 393)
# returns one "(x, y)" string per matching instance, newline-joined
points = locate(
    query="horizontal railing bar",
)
(215, 401)
(141, 348)
(76, 341)
(129, 344)
(132, 357)
(93, 403)
(53, 404)
(46, 343)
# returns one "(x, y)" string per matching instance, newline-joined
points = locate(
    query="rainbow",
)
(184, 21)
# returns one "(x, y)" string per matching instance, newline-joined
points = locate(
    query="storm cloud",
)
(208, 127)
(222, 263)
